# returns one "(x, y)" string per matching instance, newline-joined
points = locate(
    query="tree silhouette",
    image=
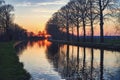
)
(84, 13)
(8, 29)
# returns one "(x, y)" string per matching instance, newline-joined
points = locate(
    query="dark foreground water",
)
(50, 61)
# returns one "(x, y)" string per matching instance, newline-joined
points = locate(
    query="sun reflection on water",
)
(52, 61)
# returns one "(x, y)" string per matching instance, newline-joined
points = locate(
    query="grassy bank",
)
(10, 67)
(111, 45)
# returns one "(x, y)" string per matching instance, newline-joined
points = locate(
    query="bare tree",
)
(83, 9)
(6, 16)
(103, 5)
(76, 16)
(63, 19)
(81, 13)
(117, 27)
(92, 15)
(1, 21)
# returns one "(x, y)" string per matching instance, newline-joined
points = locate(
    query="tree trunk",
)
(67, 25)
(72, 33)
(7, 30)
(101, 23)
(78, 31)
(67, 31)
(84, 31)
(92, 32)
(91, 20)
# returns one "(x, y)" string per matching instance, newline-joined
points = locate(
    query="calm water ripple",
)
(51, 61)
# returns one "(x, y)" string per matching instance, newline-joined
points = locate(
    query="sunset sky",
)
(33, 14)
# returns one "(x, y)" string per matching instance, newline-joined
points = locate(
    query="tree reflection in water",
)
(101, 63)
(76, 63)
(92, 58)
(72, 67)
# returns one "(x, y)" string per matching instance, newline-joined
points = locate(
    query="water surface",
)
(52, 61)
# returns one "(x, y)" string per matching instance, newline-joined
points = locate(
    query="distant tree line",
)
(78, 15)
(8, 29)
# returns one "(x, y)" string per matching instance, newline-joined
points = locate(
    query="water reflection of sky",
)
(47, 61)
(35, 62)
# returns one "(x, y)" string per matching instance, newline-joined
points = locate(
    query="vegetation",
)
(10, 67)
(79, 15)
(8, 29)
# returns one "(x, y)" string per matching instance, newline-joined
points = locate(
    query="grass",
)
(113, 41)
(10, 67)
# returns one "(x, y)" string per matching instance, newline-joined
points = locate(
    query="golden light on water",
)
(41, 58)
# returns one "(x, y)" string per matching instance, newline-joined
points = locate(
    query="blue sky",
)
(33, 14)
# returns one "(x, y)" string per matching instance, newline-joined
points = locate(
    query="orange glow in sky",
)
(33, 14)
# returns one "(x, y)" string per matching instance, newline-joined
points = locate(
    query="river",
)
(51, 61)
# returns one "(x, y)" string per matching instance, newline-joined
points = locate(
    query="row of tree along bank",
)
(10, 30)
(10, 67)
(105, 46)
(78, 15)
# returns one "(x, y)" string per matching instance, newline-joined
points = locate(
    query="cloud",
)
(60, 2)
(24, 4)
(43, 11)
(32, 1)
(41, 3)
(36, 1)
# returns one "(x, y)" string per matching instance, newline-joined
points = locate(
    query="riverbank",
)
(105, 46)
(10, 67)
